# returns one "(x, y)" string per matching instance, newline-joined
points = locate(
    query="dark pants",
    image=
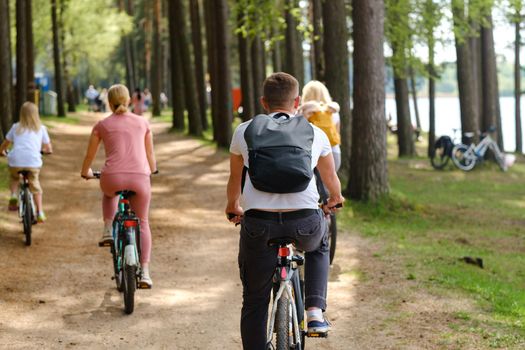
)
(257, 263)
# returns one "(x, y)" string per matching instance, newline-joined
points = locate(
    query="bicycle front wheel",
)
(463, 158)
(282, 323)
(440, 158)
(130, 282)
(27, 213)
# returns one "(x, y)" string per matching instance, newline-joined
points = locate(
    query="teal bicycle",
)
(125, 249)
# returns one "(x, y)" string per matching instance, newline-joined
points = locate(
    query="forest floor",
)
(396, 282)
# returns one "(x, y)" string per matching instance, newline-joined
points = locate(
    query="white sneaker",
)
(107, 237)
(145, 280)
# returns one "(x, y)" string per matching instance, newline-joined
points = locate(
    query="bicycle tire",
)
(297, 289)
(130, 283)
(439, 161)
(332, 236)
(463, 162)
(27, 218)
(282, 323)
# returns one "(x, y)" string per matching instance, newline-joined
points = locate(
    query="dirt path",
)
(58, 293)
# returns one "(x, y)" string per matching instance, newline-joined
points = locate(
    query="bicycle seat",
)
(469, 135)
(24, 172)
(280, 241)
(125, 193)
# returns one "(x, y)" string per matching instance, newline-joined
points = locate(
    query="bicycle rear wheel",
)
(282, 323)
(130, 282)
(27, 213)
(332, 237)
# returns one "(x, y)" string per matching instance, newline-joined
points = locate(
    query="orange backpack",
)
(323, 120)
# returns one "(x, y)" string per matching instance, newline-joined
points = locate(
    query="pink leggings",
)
(140, 184)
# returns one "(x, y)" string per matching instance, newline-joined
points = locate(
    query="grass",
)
(433, 219)
(4, 174)
(53, 118)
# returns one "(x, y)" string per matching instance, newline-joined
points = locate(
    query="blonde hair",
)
(118, 98)
(29, 118)
(316, 91)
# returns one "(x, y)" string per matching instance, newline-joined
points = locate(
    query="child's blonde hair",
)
(29, 118)
(118, 98)
(316, 91)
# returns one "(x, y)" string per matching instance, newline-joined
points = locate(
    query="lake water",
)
(448, 117)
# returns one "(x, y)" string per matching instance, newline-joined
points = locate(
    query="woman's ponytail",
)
(118, 98)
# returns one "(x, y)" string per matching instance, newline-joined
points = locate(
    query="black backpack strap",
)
(243, 179)
(323, 193)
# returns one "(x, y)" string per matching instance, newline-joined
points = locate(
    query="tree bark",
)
(246, 73)
(475, 50)
(257, 53)
(6, 77)
(30, 53)
(21, 56)
(318, 61)
(156, 68)
(147, 43)
(517, 84)
(294, 64)
(368, 168)
(211, 46)
(489, 76)
(177, 83)
(466, 84)
(225, 114)
(56, 58)
(276, 52)
(70, 94)
(198, 54)
(126, 40)
(414, 98)
(132, 51)
(190, 91)
(405, 134)
(431, 100)
(337, 75)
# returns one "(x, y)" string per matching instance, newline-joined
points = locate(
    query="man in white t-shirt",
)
(264, 216)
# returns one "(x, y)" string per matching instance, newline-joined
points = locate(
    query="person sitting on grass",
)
(28, 137)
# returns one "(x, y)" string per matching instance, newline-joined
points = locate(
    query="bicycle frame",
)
(478, 151)
(125, 218)
(23, 185)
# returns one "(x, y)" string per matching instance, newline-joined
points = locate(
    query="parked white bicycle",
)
(466, 157)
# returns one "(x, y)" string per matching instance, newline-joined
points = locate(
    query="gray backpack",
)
(279, 153)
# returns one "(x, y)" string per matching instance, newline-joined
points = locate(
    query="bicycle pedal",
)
(317, 334)
(142, 285)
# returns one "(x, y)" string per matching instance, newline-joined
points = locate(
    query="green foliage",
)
(258, 17)
(399, 30)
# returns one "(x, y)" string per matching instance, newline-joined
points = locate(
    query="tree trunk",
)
(127, 52)
(466, 85)
(70, 94)
(30, 53)
(490, 94)
(337, 75)
(517, 84)
(190, 91)
(225, 116)
(132, 51)
(276, 52)
(246, 73)
(147, 43)
(211, 45)
(6, 78)
(56, 57)
(198, 54)
(475, 50)
(294, 64)
(431, 100)
(21, 56)
(414, 98)
(156, 69)
(368, 167)
(405, 134)
(258, 73)
(319, 65)
(177, 83)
